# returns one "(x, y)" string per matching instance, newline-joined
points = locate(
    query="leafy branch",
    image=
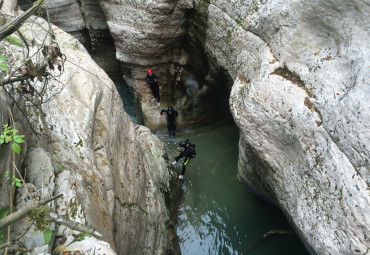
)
(16, 181)
(10, 135)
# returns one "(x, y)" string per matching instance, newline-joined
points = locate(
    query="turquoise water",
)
(216, 215)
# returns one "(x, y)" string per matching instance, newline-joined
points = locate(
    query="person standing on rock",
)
(152, 80)
(188, 153)
(171, 121)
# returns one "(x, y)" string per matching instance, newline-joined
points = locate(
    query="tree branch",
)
(23, 212)
(21, 78)
(72, 224)
(43, 64)
(13, 25)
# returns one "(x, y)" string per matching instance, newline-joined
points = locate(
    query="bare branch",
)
(23, 212)
(72, 224)
(24, 41)
(22, 78)
(13, 25)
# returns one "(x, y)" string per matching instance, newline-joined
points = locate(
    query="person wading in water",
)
(188, 153)
(171, 121)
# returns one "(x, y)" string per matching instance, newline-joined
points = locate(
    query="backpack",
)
(193, 152)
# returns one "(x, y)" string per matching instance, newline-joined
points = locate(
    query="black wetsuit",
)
(153, 82)
(171, 122)
(187, 152)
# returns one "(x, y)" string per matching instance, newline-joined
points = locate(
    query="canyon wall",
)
(153, 34)
(85, 20)
(298, 74)
(114, 176)
(300, 78)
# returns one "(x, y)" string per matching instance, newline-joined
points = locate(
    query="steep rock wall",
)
(114, 175)
(152, 34)
(85, 20)
(303, 143)
(300, 74)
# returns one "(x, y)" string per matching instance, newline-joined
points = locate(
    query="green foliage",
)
(16, 181)
(36, 2)
(60, 167)
(3, 213)
(13, 40)
(3, 66)
(82, 236)
(48, 233)
(37, 217)
(10, 135)
(39, 11)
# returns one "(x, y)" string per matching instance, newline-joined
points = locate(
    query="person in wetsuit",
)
(187, 154)
(152, 80)
(171, 121)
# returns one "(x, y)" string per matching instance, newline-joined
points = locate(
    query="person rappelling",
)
(171, 121)
(152, 80)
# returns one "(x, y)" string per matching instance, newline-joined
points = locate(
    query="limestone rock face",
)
(303, 143)
(113, 174)
(152, 35)
(300, 79)
(86, 21)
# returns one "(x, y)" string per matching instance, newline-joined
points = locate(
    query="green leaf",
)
(4, 67)
(2, 58)
(16, 148)
(18, 182)
(6, 131)
(18, 138)
(8, 139)
(13, 40)
(2, 139)
(14, 180)
(15, 131)
(48, 233)
(82, 237)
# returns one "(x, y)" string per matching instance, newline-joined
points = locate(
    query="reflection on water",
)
(216, 215)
